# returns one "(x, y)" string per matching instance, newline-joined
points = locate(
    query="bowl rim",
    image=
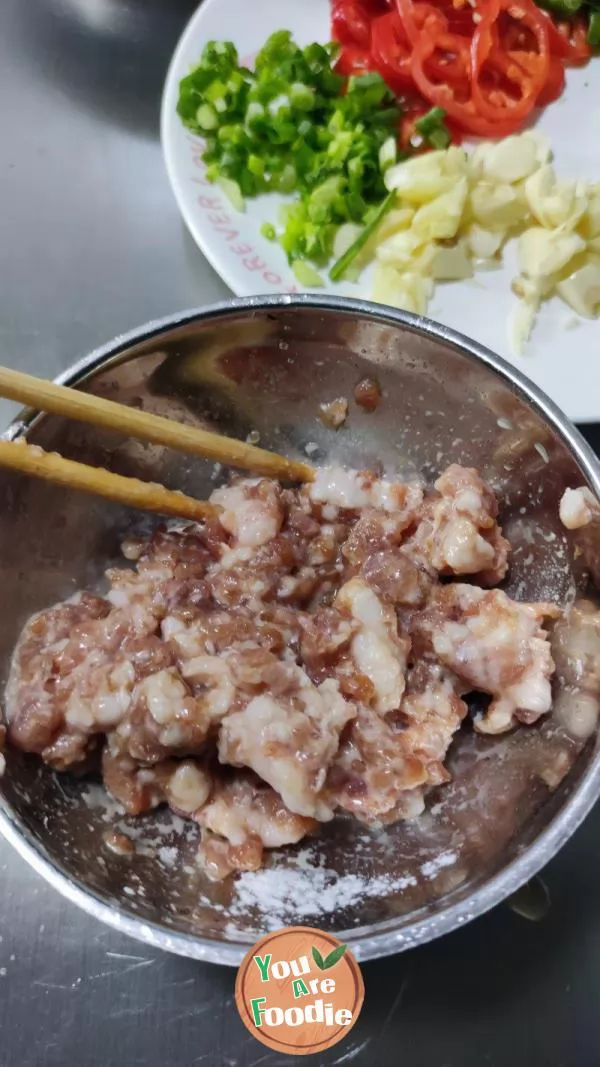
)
(543, 848)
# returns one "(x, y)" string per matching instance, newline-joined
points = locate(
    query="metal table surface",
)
(91, 244)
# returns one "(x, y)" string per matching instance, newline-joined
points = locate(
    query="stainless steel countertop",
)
(91, 244)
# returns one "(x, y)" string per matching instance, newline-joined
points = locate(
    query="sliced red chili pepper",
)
(350, 23)
(392, 51)
(415, 16)
(457, 104)
(501, 88)
(460, 16)
(376, 7)
(569, 40)
(488, 63)
(354, 60)
(579, 47)
(455, 16)
(555, 83)
(451, 64)
(559, 44)
(504, 87)
(406, 13)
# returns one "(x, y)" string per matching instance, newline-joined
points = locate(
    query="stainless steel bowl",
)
(263, 365)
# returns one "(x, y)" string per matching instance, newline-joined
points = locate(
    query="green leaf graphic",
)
(333, 957)
(317, 957)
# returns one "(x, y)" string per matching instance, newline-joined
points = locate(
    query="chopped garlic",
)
(423, 178)
(451, 263)
(590, 223)
(511, 159)
(581, 290)
(544, 252)
(440, 219)
(484, 244)
(497, 207)
(554, 203)
(457, 211)
(521, 325)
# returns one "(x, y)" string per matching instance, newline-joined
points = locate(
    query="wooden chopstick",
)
(62, 400)
(29, 459)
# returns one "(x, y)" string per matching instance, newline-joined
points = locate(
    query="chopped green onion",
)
(338, 269)
(433, 128)
(287, 179)
(268, 230)
(256, 165)
(307, 275)
(288, 126)
(388, 153)
(206, 117)
(302, 96)
(233, 193)
(365, 81)
(254, 111)
(439, 139)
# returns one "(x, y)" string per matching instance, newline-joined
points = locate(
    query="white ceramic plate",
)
(563, 356)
